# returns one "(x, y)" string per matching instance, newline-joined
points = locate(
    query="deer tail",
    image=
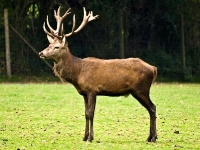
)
(154, 73)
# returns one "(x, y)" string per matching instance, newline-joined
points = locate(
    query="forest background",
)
(163, 33)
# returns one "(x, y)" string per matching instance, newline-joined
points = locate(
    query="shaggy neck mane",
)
(68, 67)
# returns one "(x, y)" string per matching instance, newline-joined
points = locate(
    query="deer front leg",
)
(90, 102)
(86, 119)
(91, 115)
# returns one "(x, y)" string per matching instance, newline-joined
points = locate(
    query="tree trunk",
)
(183, 42)
(121, 33)
(7, 42)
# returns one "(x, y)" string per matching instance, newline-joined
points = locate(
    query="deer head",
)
(57, 38)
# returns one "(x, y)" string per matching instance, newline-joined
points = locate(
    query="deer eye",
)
(56, 47)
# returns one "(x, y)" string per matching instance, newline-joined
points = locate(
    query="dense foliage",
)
(163, 33)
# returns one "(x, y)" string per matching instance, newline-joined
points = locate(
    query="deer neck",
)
(68, 67)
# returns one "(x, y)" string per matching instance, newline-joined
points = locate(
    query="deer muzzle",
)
(41, 54)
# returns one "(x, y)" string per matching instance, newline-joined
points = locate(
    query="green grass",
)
(51, 116)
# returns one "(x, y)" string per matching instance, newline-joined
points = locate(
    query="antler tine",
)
(58, 12)
(51, 34)
(61, 31)
(73, 27)
(86, 19)
(51, 29)
(59, 19)
(45, 30)
(66, 13)
(92, 17)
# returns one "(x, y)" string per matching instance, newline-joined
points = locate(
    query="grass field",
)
(51, 116)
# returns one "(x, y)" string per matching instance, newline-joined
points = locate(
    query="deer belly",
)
(114, 88)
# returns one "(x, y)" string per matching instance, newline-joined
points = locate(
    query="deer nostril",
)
(40, 53)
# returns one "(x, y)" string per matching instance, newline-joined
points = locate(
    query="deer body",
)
(93, 76)
(105, 77)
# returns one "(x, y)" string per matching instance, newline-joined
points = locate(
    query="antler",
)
(86, 19)
(59, 19)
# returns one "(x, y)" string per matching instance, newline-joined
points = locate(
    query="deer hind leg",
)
(151, 108)
(90, 102)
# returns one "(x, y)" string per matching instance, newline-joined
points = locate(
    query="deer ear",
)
(50, 39)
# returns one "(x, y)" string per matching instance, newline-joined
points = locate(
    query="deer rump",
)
(114, 77)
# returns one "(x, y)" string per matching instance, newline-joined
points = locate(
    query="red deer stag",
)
(93, 76)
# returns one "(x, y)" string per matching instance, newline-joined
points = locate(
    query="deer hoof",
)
(152, 138)
(90, 139)
(85, 138)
